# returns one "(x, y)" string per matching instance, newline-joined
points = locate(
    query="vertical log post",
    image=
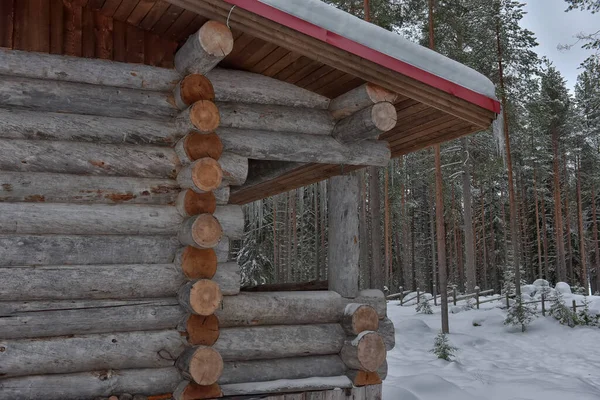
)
(507, 301)
(477, 295)
(543, 305)
(343, 235)
(454, 295)
(418, 296)
(575, 306)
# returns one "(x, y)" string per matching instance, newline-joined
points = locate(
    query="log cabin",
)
(132, 131)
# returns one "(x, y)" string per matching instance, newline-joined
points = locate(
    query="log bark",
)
(26, 124)
(201, 231)
(190, 203)
(94, 71)
(366, 352)
(343, 235)
(88, 385)
(31, 319)
(204, 49)
(197, 263)
(275, 118)
(247, 87)
(196, 145)
(231, 218)
(68, 188)
(283, 368)
(388, 333)
(287, 386)
(193, 88)
(202, 116)
(235, 169)
(201, 364)
(222, 195)
(201, 297)
(81, 98)
(87, 249)
(88, 158)
(222, 249)
(368, 123)
(359, 98)
(200, 330)
(63, 355)
(267, 342)
(372, 297)
(358, 318)
(192, 391)
(229, 279)
(284, 146)
(203, 175)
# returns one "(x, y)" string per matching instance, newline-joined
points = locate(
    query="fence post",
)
(418, 296)
(507, 301)
(477, 295)
(454, 295)
(543, 306)
(401, 295)
(574, 306)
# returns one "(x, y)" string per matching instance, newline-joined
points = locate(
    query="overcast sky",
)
(552, 26)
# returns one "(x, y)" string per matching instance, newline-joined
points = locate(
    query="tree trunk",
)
(561, 268)
(471, 276)
(582, 252)
(537, 225)
(570, 271)
(595, 233)
(545, 241)
(386, 230)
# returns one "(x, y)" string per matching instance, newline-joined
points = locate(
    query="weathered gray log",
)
(191, 89)
(359, 98)
(228, 277)
(82, 98)
(266, 342)
(87, 249)
(101, 219)
(231, 218)
(287, 386)
(63, 355)
(202, 231)
(383, 370)
(82, 317)
(86, 70)
(283, 368)
(235, 169)
(201, 364)
(200, 297)
(275, 118)
(248, 87)
(203, 175)
(88, 158)
(89, 385)
(373, 297)
(68, 188)
(222, 195)
(284, 146)
(25, 124)
(388, 333)
(260, 171)
(366, 352)
(358, 318)
(204, 49)
(222, 249)
(202, 116)
(368, 123)
(343, 235)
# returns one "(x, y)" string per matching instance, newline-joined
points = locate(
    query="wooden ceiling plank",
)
(110, 7)
(140, 11)
(154, 15)
(192, 27)
(126, 7)
(298, 63)
(262, 52)
(319, 75)
(167, 20)
(261, 66)
(184, 19)
(284, 62)
(341, 87)
(311, 67)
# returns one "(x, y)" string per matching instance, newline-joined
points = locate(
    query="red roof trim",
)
(365, 52)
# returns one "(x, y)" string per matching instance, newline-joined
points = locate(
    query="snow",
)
(563, 287)
(337, 21)
(494, 362)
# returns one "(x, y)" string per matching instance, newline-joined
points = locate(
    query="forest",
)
(546, 228)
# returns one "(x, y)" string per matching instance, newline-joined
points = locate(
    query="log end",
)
(198, 263)
(365, 378)
(384, 116)
(205, 297)
(371, 352)
(216, 39)
(364, 318)
(198, 146)
(206, 174)
(204, 115)
(202, 330)
(192, 391)
(191, 203)
(378, 94)
(196, 87)
(206, 231)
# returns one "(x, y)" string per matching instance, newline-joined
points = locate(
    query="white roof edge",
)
(389, 43)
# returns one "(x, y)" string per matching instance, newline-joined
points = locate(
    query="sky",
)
(552, 26)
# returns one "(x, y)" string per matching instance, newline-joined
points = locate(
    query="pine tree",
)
(442, 347)
(585, 317)
(561, 312)
(520, 314)
(423, 305)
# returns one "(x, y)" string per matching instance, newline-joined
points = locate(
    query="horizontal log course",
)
(283, 368)
(88, 158)
(229, 278)
(203, 175)
(366, 352)
(222, 195)
(94, 71)
(202, 116)
(372, 297)
(201, 364)
(287, 386)
(193, 88)
(204, 49)
(192, 391)
(37, 125)
(200, 329)
(284, 146)
(368, 123)
(359, 98)
(200, 297)
(82, 98)
(231, 218)
(388, 333)
(89, 385)
(63, 355)
(190, 203)
(275, 118)
(267, 342)
(235, 169)
(358, 318)
(194, 146)
(202, 231)
(36, 319)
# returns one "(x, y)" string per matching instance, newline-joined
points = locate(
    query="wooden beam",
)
(359, 98)
(204, 49)
(367, 123)
(287, 386)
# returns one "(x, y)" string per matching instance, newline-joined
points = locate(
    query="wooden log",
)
(231, 218)
(372, 297)
(200, 329)
(266, 342)
(275, 118)
(193, 88)
(196, 145)
(368, 123)
(190, 203)
(88, 158)
(284, 146)
(89, 385)
(36, 319)
(200, 297)
(26, 124)
(383, 370)
(222, 249)
(204, 49)
(366, 352)
(287, 386)
(235, 169)
(202, 231)
(343, 235)
(67, 188)
(359, 98)
(201, 364)
(197, 263)
(81, 98)
(282, 368)
(363, 378)
(63, 355)
(203, 175)
(358, 318)
(288, 287)
(102, 219)
(202, 116)
(388, 333)
(374, 392)
(192, 391)
(229, 278)
(222, 195)
(94, 71)
(87, 249)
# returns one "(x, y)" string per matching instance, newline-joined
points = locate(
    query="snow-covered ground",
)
(494, 362)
